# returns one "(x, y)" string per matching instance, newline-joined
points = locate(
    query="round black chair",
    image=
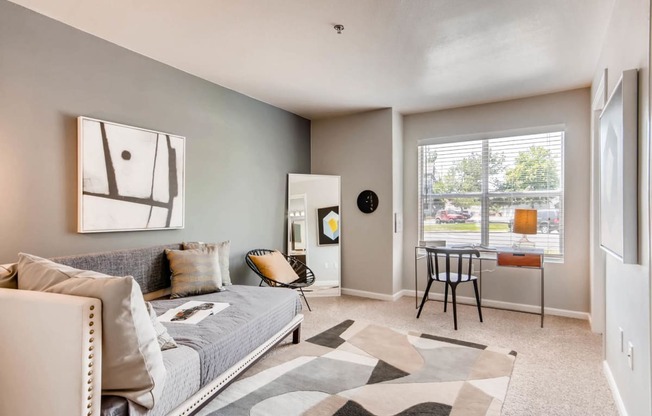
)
(306, 276)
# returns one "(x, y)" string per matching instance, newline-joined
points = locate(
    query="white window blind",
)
(468, 190)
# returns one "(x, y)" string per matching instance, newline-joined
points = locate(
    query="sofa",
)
(51, 349)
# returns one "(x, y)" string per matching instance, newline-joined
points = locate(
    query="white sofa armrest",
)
(50, 354)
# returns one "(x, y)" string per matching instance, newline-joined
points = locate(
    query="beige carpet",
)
(360, 369)
(558, 370)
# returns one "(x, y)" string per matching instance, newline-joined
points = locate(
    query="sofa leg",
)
(296, 335)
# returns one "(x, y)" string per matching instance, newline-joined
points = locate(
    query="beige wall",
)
(567, 283)
(626, 46)
(397, 196)
(359, 149)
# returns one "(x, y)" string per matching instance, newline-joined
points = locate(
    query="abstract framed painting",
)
(130, 179)
(619, 171)
(328, 223)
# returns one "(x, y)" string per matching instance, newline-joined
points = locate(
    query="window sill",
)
(555, 260)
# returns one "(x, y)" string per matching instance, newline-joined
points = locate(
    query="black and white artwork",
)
(619, 171)
(130, 179)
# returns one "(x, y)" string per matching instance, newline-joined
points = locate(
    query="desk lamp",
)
(525, 222)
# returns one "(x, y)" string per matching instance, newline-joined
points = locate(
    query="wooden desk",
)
(530, 258)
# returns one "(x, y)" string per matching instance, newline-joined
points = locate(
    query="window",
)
(468, 190)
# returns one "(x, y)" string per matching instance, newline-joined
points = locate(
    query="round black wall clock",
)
(367, 201)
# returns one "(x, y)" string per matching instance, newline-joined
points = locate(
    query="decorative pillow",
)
(165, 340)
(222, 249)
(8, 276)
(36, 273)
(132, 363)
(194, 272)
(275, 266)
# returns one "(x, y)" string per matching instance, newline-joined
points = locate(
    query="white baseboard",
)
(470, 301)
(620, 405)
(327, 283)
(371, 295)
(323, 290)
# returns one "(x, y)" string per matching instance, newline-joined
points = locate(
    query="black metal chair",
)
(451, 278)
(306, 276)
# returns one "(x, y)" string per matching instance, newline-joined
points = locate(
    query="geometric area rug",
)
(359, 369)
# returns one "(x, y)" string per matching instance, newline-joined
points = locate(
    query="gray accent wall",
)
(238, 150)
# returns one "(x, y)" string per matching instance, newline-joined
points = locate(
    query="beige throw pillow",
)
(132, 363)
(8, 278)
(275, 266)
(194, 272)
(165, 340)
(222, 249)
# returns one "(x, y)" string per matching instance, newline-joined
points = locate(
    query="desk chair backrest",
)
(433, 262)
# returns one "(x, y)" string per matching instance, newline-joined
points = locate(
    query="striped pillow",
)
(222, 250)
(194, 272)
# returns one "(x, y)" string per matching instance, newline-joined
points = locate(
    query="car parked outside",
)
(466, 214)
(548, 220)
(448, 217)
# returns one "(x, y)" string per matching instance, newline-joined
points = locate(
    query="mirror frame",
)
(308, 226)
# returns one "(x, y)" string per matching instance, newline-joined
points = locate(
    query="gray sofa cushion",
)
(149, 266)
(209, 348)
(254, 315)
(181, 382)
(218, 342)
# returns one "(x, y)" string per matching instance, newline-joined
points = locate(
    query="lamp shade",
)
(525, 221)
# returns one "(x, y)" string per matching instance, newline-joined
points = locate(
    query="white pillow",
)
(132, 362)
(165, 340)
(8, 278)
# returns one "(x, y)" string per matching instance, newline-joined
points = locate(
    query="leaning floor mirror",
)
(314, 229)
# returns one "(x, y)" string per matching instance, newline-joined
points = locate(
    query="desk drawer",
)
(519, 259)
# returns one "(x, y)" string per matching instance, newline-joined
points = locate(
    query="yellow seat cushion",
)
(275, 266)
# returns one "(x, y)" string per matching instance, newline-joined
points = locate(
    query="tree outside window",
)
(469, 189)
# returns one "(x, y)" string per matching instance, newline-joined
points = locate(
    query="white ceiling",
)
(413, 55)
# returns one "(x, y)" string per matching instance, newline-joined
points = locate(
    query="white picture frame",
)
(299, 235)
(129, 178)
(619, 171)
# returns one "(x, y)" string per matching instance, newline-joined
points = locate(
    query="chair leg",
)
(453, 287)
(445, 296)
(296, 335)
(261, 283)
(305, 299)
(477, 298)
(425, 296)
